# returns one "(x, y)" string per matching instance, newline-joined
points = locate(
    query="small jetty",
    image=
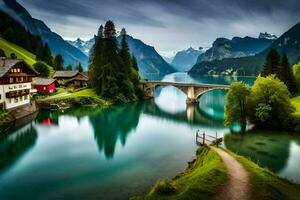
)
(54, 106)
(203, 139)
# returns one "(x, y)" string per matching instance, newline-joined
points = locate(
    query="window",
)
(9, 100)
(21, 98)
(16, 100)
(25, 97)
(18, 70)
(11, 80)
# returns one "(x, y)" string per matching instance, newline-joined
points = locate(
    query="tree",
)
(42, 69)
(296, 72)
(111, 71)
(13, 56)
(2, 53)
(236, 105)
(9, 35)
(286, 74)
(269, 103)
(44, 54)
(272, 63)
(69, 68)
(79, 67)
(134, 63)
(58, 62)
(109, 30)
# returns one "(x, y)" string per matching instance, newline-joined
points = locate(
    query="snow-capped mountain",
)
(84, 46)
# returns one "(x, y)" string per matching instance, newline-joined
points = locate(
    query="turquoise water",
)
(90, 153)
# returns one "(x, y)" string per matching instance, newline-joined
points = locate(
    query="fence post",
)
(203, 138)
(217, 140)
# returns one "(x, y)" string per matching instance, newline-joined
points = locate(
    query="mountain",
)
(151, 64)
(186, 59)
(235, 48)
(168, 59)
(84, 46)
(268, 36)
(149, 61)
(289, 43)
(20, 52)
(56, 43)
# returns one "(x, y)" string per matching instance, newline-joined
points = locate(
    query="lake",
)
(118, 152)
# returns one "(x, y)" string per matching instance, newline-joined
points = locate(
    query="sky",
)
(168, 25)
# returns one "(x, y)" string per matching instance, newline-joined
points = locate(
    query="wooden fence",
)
(205, 139)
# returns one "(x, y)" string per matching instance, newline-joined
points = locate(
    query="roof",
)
(43, 81)
(65, 74)
(79, 77)
(6, 64)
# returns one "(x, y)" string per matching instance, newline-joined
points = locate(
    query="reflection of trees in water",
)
(114, 124)
(269, 150)
(15, 145)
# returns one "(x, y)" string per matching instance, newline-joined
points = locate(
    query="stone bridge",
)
(193, 91)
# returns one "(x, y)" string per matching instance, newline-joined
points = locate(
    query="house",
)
(75, 78)
(44, 85)
(15, 83)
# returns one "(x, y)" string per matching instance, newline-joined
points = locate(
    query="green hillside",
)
(21, 53)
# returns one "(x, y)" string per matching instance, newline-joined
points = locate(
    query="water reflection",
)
(114, 124)
(15, 145)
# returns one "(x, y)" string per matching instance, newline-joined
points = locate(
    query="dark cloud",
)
(196, 22)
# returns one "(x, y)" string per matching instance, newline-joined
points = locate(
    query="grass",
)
(5, 119)
(21, 53)
(268, 148)
(85, 96)
(201, 180)
(266, 185)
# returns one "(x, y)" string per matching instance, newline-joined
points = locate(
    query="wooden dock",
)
(203, 139)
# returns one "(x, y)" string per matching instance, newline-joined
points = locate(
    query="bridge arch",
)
(192, 91)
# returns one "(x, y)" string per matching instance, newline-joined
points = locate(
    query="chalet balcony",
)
(19, 93)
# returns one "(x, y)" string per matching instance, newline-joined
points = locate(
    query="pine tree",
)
(134, 63)
(111, 70)
(272, 63)
(58, 63)
(286, 74)
(47, 55)
(69, 68)
(2, 53)
(79, 67)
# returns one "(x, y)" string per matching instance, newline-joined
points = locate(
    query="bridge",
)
(193, 91)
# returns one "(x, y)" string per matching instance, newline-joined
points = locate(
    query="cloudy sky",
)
(168, 25)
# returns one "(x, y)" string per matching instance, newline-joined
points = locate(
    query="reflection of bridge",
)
(193, 91)
(192, 115)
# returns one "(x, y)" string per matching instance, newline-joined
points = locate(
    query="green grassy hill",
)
(21, 53)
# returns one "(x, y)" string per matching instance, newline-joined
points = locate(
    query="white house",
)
(15, 83)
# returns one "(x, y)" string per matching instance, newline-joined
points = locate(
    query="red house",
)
(44, 85)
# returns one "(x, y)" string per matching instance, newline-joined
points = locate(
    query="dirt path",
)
(238, 185)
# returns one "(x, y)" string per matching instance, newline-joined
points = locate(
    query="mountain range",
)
(289, 43)
(186, 59)
(56, 43)
(235, 48)
(149, 61)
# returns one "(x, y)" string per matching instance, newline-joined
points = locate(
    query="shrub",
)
(42, 69)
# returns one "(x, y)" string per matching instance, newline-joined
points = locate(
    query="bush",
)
(42, 69)
(164, 187)
(269, 103)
